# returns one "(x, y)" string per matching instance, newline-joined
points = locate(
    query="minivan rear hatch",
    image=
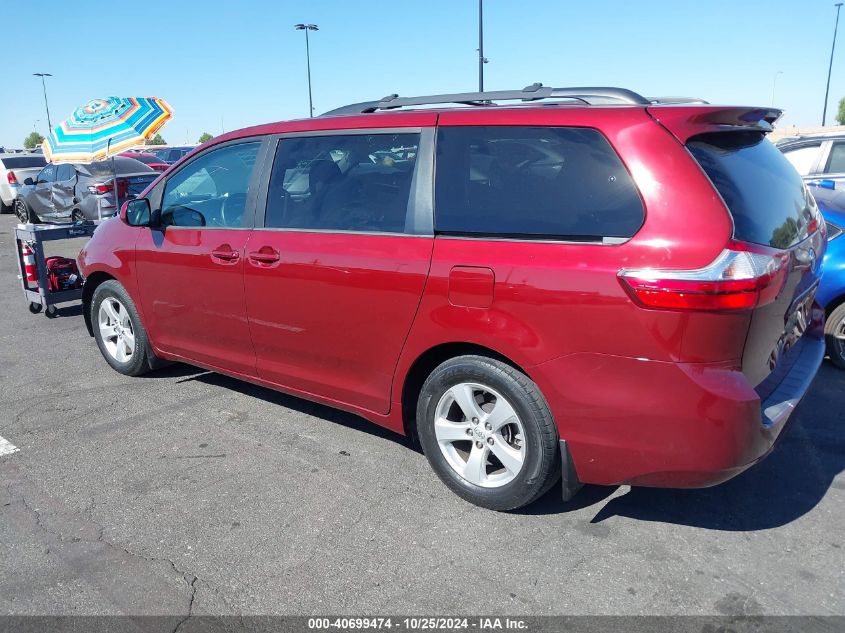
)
(774, 216)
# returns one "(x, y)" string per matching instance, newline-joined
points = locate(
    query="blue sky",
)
(242, 61)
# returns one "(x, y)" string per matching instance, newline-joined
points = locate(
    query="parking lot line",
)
(6, 447)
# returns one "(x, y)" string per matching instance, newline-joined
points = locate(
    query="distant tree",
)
(33, 140)
(205, 137)
(840, 117)
(156, 140)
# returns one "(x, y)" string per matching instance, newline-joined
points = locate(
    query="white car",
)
(14, 169)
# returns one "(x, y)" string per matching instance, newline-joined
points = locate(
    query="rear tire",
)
(488, 433)
(77, 215)
(834, 333)
(118, 330)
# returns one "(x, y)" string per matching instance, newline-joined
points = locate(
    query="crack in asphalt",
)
(184, 575)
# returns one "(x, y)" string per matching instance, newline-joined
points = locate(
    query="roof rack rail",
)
(534, 92)
(677, 100)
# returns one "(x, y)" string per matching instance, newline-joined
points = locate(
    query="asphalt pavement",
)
(190, 492)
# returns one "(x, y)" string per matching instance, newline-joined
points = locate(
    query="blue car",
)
(831, 293)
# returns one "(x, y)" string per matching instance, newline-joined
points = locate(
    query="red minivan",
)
(542, 285)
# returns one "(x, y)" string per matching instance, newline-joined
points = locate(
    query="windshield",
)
(122, 165)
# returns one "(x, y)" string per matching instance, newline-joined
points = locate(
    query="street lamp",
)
(306, 28)
(838, 6)
(481, 59)
(774, 82)
(44, 87)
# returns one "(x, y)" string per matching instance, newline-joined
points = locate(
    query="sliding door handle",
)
(265, 255)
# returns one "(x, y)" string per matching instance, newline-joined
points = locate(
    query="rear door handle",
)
(225, 253)
(265, 255)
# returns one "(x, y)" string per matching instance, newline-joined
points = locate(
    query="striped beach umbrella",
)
(105, 127)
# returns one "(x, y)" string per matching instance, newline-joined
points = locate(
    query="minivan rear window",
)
(762, 190)
(23, 162)
(533, 183)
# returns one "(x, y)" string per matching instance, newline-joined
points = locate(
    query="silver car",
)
(14, 169)
(817, 157)
(72, 192)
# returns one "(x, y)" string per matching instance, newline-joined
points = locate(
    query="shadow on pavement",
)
(349, 420)
(783, 487)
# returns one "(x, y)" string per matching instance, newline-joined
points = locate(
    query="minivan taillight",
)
(10, 176)
(742, 277)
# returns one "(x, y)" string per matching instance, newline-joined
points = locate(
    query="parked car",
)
(816, 156)
(171, 155)
(150, 160)
(14, 169)
(71, 192)
(831, 293)
(569, 293)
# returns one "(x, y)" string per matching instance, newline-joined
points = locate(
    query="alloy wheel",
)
(116, 330)
(21, 211)
(480, 435)
(839, 337)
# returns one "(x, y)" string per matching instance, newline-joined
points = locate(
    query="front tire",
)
(25, 214)
(834, 333)
(488, 433)
(118, 330)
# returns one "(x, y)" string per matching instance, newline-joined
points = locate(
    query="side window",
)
(533, 182)
(65, 172)
(352, 182)
(836, 160)
(804, 158)
(211, 190)
(48, 174)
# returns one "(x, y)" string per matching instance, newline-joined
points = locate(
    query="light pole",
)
(838, 6)
(306, 28)
(774, 83)
(44, 87)
(481, 59)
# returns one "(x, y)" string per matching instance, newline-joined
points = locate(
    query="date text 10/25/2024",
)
(418, 623)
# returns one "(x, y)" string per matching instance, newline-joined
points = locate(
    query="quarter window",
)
(534, 183)
(836, 161)
(352, 182)
(212, 190)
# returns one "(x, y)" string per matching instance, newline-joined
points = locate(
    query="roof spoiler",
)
(687, 121)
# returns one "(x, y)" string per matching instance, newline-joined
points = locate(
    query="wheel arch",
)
(91, 282)
(834, 303)
(422, 367)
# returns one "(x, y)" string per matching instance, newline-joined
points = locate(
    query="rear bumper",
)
(663, 424)
(8, 193)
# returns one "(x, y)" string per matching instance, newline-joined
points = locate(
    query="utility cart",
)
(32, 264)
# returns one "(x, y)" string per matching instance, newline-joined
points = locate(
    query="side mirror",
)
(29, 181)
(824, 184)
(136, 212)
